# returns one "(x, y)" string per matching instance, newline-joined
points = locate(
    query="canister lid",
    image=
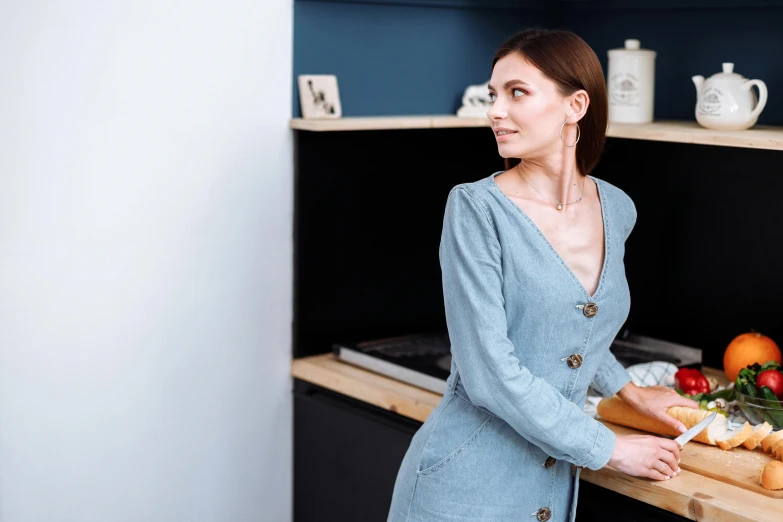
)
(632, 47)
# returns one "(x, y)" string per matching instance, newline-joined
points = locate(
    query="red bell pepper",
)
(691, 381)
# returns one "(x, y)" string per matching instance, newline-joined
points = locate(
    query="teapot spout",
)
(698, 81)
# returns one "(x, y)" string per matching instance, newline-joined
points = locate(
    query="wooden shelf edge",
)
(691, 495)
(362, 123)
(757, 137)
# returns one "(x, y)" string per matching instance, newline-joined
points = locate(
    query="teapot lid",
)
(728, 72)
(632, 47)
(632, 43)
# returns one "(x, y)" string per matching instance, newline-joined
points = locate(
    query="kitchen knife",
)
(698, 428)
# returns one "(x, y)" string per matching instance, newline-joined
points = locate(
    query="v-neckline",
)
(552, 248)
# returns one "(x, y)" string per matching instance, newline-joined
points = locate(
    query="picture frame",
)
(319, 96)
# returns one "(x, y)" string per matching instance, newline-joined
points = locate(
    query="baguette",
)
(777, 444)
(770, 439)
(735, 437)
(615, 410)
(776, 449)
(759, 432)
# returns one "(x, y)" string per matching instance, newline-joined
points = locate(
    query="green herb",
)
(748, 374)
(726, 393)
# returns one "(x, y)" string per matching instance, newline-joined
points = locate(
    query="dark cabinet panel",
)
(597, 504)
(346, 456)
(367, 225)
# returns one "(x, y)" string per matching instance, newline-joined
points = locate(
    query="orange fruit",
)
(749, 348)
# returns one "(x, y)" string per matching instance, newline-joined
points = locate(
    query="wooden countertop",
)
(689, 494)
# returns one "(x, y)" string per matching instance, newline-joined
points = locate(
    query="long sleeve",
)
(493, 376)
(611, 376)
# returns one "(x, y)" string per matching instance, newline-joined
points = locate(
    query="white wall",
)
(145, 260)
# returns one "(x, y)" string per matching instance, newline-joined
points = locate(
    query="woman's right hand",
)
(646, 456)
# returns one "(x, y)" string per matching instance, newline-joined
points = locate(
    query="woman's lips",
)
(505, 137)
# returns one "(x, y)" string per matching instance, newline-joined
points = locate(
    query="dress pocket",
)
(456, 429)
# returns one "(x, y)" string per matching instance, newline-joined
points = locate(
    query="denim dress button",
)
(590, 309)
(543, 514)
(550, 462)
(574, 361)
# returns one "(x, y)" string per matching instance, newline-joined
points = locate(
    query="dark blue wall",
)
(691, 42)
(401, 57)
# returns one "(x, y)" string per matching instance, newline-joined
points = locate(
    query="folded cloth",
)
(652, 373)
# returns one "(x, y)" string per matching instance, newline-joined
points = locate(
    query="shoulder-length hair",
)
(568, 61)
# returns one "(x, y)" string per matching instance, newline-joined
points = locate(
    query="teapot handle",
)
(762, 96)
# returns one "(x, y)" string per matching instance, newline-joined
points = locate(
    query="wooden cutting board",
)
(737, 466)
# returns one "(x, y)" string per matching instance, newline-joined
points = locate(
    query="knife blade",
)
(695, 430)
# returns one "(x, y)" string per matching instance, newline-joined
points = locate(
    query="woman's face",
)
(527, 109)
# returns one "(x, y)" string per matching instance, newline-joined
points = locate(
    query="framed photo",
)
(319, 97)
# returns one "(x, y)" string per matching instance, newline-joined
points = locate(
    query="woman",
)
(535, 292)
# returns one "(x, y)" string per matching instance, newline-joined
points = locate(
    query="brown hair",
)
(567, 60)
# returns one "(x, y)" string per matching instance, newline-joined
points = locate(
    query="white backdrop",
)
(145, 260)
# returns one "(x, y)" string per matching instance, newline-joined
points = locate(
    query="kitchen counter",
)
(690, 495)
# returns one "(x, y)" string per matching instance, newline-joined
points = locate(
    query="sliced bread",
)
(773, 437)
(775, 445)
(735, 437)
(691, 416)
(759, 432)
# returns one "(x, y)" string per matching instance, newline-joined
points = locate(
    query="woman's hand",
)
(646, 456)
(653, 401)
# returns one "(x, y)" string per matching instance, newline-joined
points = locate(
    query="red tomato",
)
(773, 379)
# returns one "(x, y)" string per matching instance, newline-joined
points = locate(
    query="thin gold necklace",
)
(558, 204)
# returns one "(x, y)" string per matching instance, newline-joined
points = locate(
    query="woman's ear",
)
(577, 105)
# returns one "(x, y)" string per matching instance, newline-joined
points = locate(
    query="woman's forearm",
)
(629, 393)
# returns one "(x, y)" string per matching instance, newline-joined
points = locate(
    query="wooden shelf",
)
(361, 123)
(757, 137)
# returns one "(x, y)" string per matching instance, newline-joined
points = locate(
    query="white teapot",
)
(725, 100)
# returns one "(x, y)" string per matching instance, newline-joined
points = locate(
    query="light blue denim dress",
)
(527, 341)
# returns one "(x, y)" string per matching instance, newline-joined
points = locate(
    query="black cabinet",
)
(347, 453)
(346, 456)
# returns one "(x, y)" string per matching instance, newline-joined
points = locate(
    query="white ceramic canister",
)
(631, 83)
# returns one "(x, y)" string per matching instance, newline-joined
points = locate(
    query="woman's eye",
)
(518, 91)
(492, 97)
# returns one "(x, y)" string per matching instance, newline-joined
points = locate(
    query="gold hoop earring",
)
(578, 134)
